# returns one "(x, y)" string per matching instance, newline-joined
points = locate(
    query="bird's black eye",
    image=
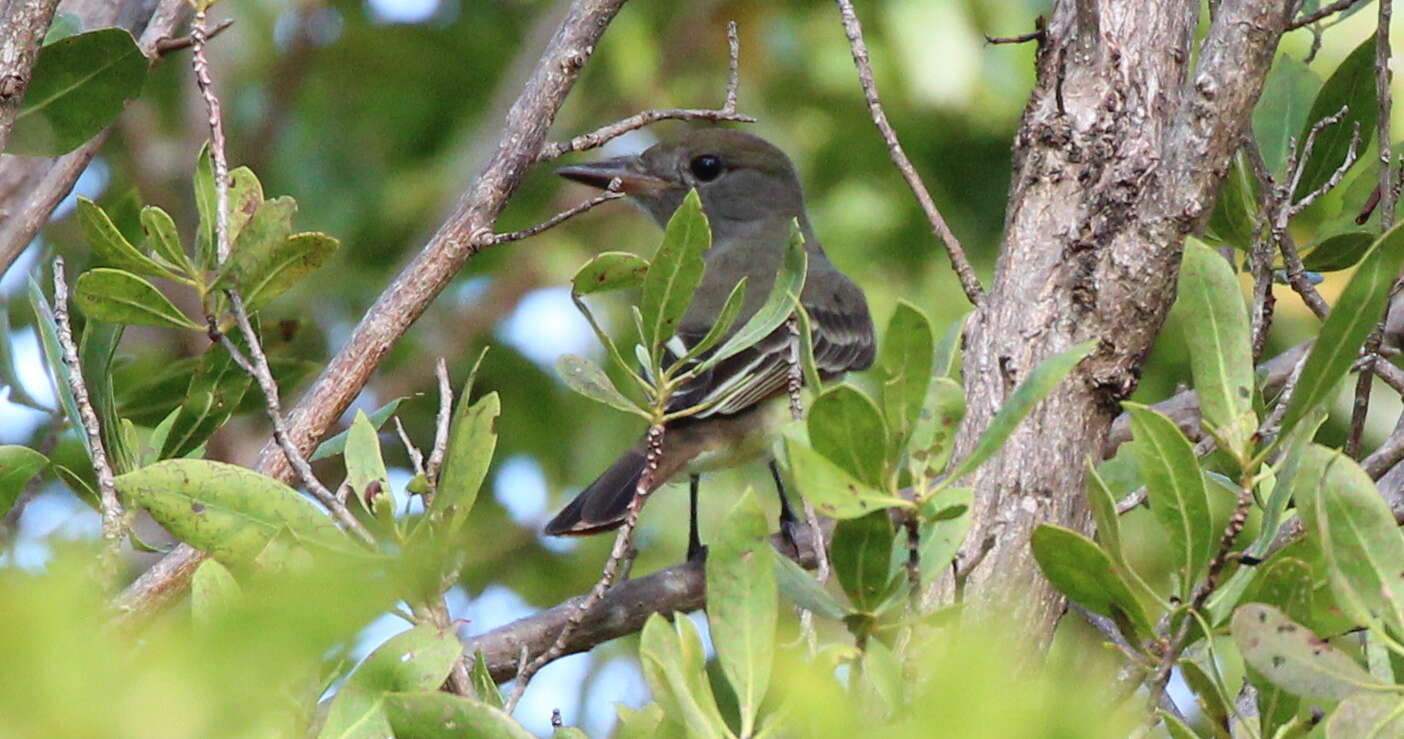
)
(706, 167)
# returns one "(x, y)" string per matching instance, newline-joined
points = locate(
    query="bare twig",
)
(1313, 17)
(1023, 38)
(605, 134)
(441, 430)
(111, 508)
(168, 45)
(968, 281)
(199, 37)
(416, 457)
(619, 555)
(612, 193)
(22, 27)
(259, 370)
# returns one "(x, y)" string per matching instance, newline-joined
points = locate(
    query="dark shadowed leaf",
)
(1339, 252)
(1292, 657)
(741, 604)
(1083, 572)
(215, 390)
(1352, 85)
(116, 296)
(1356, 312)
(1233, 220)
(611, 270)
(79, 85)
(1282, 107)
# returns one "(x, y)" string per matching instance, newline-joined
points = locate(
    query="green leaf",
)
(585, 377)
(415, 660)
(1211, 701)
(1367, 715)
(63, 26)
(1235, 214)
(861, 553)
(79, 85)
(933, 434)
(1363, 547)
(472, 439)
(18, 465)
(645, 723)
(213, 591)
(1220, 351)
(483, 684)
(109, 245)
(723, 323)
(778, 305)
(611, 270)
(904, 357)
(569, 732)
(163, 238)
(1339, 252)
(833, 491)
(228, 511)
(741, 604)
(1079, 569)
(116, 296)
(807, 593)
(1292, 657)
(1287, 584)
(1103, 505)
(47, 327)
(1357, 311)
(675, 272)
(1175, 727)
(435, 715)
(97, 352)
(846, 427)
(674, 666)
(254, 251)
(337, 444)
(1042, 381)
(1282, 107)
(882, 671)
(1176, 485)
(942, 535)
(266, 271)
(364, 464)
(215, 390)
(1352, 85)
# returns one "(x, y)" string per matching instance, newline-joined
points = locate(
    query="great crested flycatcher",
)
(751, 196)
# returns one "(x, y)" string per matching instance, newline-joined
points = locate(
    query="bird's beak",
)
(633, 180)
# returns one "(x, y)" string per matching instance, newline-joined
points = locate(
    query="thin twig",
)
(612, 193)
(1310, 18)
(441, 430)
(1023, 38)
(168, 45)
(198, 38)
(854, 30)
(259, 370)
(111, 508)
(619, 555)
(416, 457)
(605, 134)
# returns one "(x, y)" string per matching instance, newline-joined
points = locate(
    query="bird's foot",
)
(788, 528)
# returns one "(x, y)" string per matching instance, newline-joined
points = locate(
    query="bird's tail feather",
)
(605, 503)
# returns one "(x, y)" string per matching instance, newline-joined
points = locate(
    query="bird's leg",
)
(695, 550)
(787, 515)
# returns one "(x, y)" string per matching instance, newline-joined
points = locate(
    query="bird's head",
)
(742, 179)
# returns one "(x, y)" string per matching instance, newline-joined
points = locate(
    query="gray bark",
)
(1118, 157)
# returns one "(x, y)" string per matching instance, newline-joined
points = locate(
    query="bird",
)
(751, 194)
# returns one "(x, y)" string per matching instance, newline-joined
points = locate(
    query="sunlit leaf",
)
(162, 237)
(483, 684)
(741, 604)
(585, 377)
(364, 465)
(18, 465)
(213, 591)
(674, 667)
(109, 245)
(675, 272)
(416, 660)
(1220, 351)
(846, 427)
(1176, 486)
(1291, 656)
(611, 270)
(116, 296)
(833, 491)
(1367, 715)
(472, 439)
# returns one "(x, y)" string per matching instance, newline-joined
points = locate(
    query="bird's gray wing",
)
(842, 332)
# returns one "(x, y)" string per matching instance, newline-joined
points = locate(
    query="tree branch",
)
(1310, 18)
(467, 231)
(854, 30)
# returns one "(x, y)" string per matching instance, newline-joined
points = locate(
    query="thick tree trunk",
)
(1118, 157)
